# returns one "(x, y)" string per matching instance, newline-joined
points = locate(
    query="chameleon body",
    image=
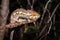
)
(21, 15)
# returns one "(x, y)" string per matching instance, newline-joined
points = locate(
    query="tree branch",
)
(30, 4)
(47, 32)
(4, 13)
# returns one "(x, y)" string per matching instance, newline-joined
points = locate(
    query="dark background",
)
(38, 5)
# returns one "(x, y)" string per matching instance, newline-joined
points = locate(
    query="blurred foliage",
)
(30, 29)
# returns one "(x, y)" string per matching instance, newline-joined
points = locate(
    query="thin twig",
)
(45, 25)
(35, 24)
(11, 35)
(54, 25)
(44, 11)
(48, 13)
(49, 19)
(29, 3)
(32, 4)
(47, 32)
(53, 12)
(36, 27)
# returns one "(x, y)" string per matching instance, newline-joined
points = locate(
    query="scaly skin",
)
(22, 16)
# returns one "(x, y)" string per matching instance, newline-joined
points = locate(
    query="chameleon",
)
(22, 16)
(19, 17)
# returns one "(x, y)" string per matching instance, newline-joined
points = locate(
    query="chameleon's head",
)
(21, 15)
(34, 15)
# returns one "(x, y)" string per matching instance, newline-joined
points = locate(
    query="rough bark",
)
(3, 19)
